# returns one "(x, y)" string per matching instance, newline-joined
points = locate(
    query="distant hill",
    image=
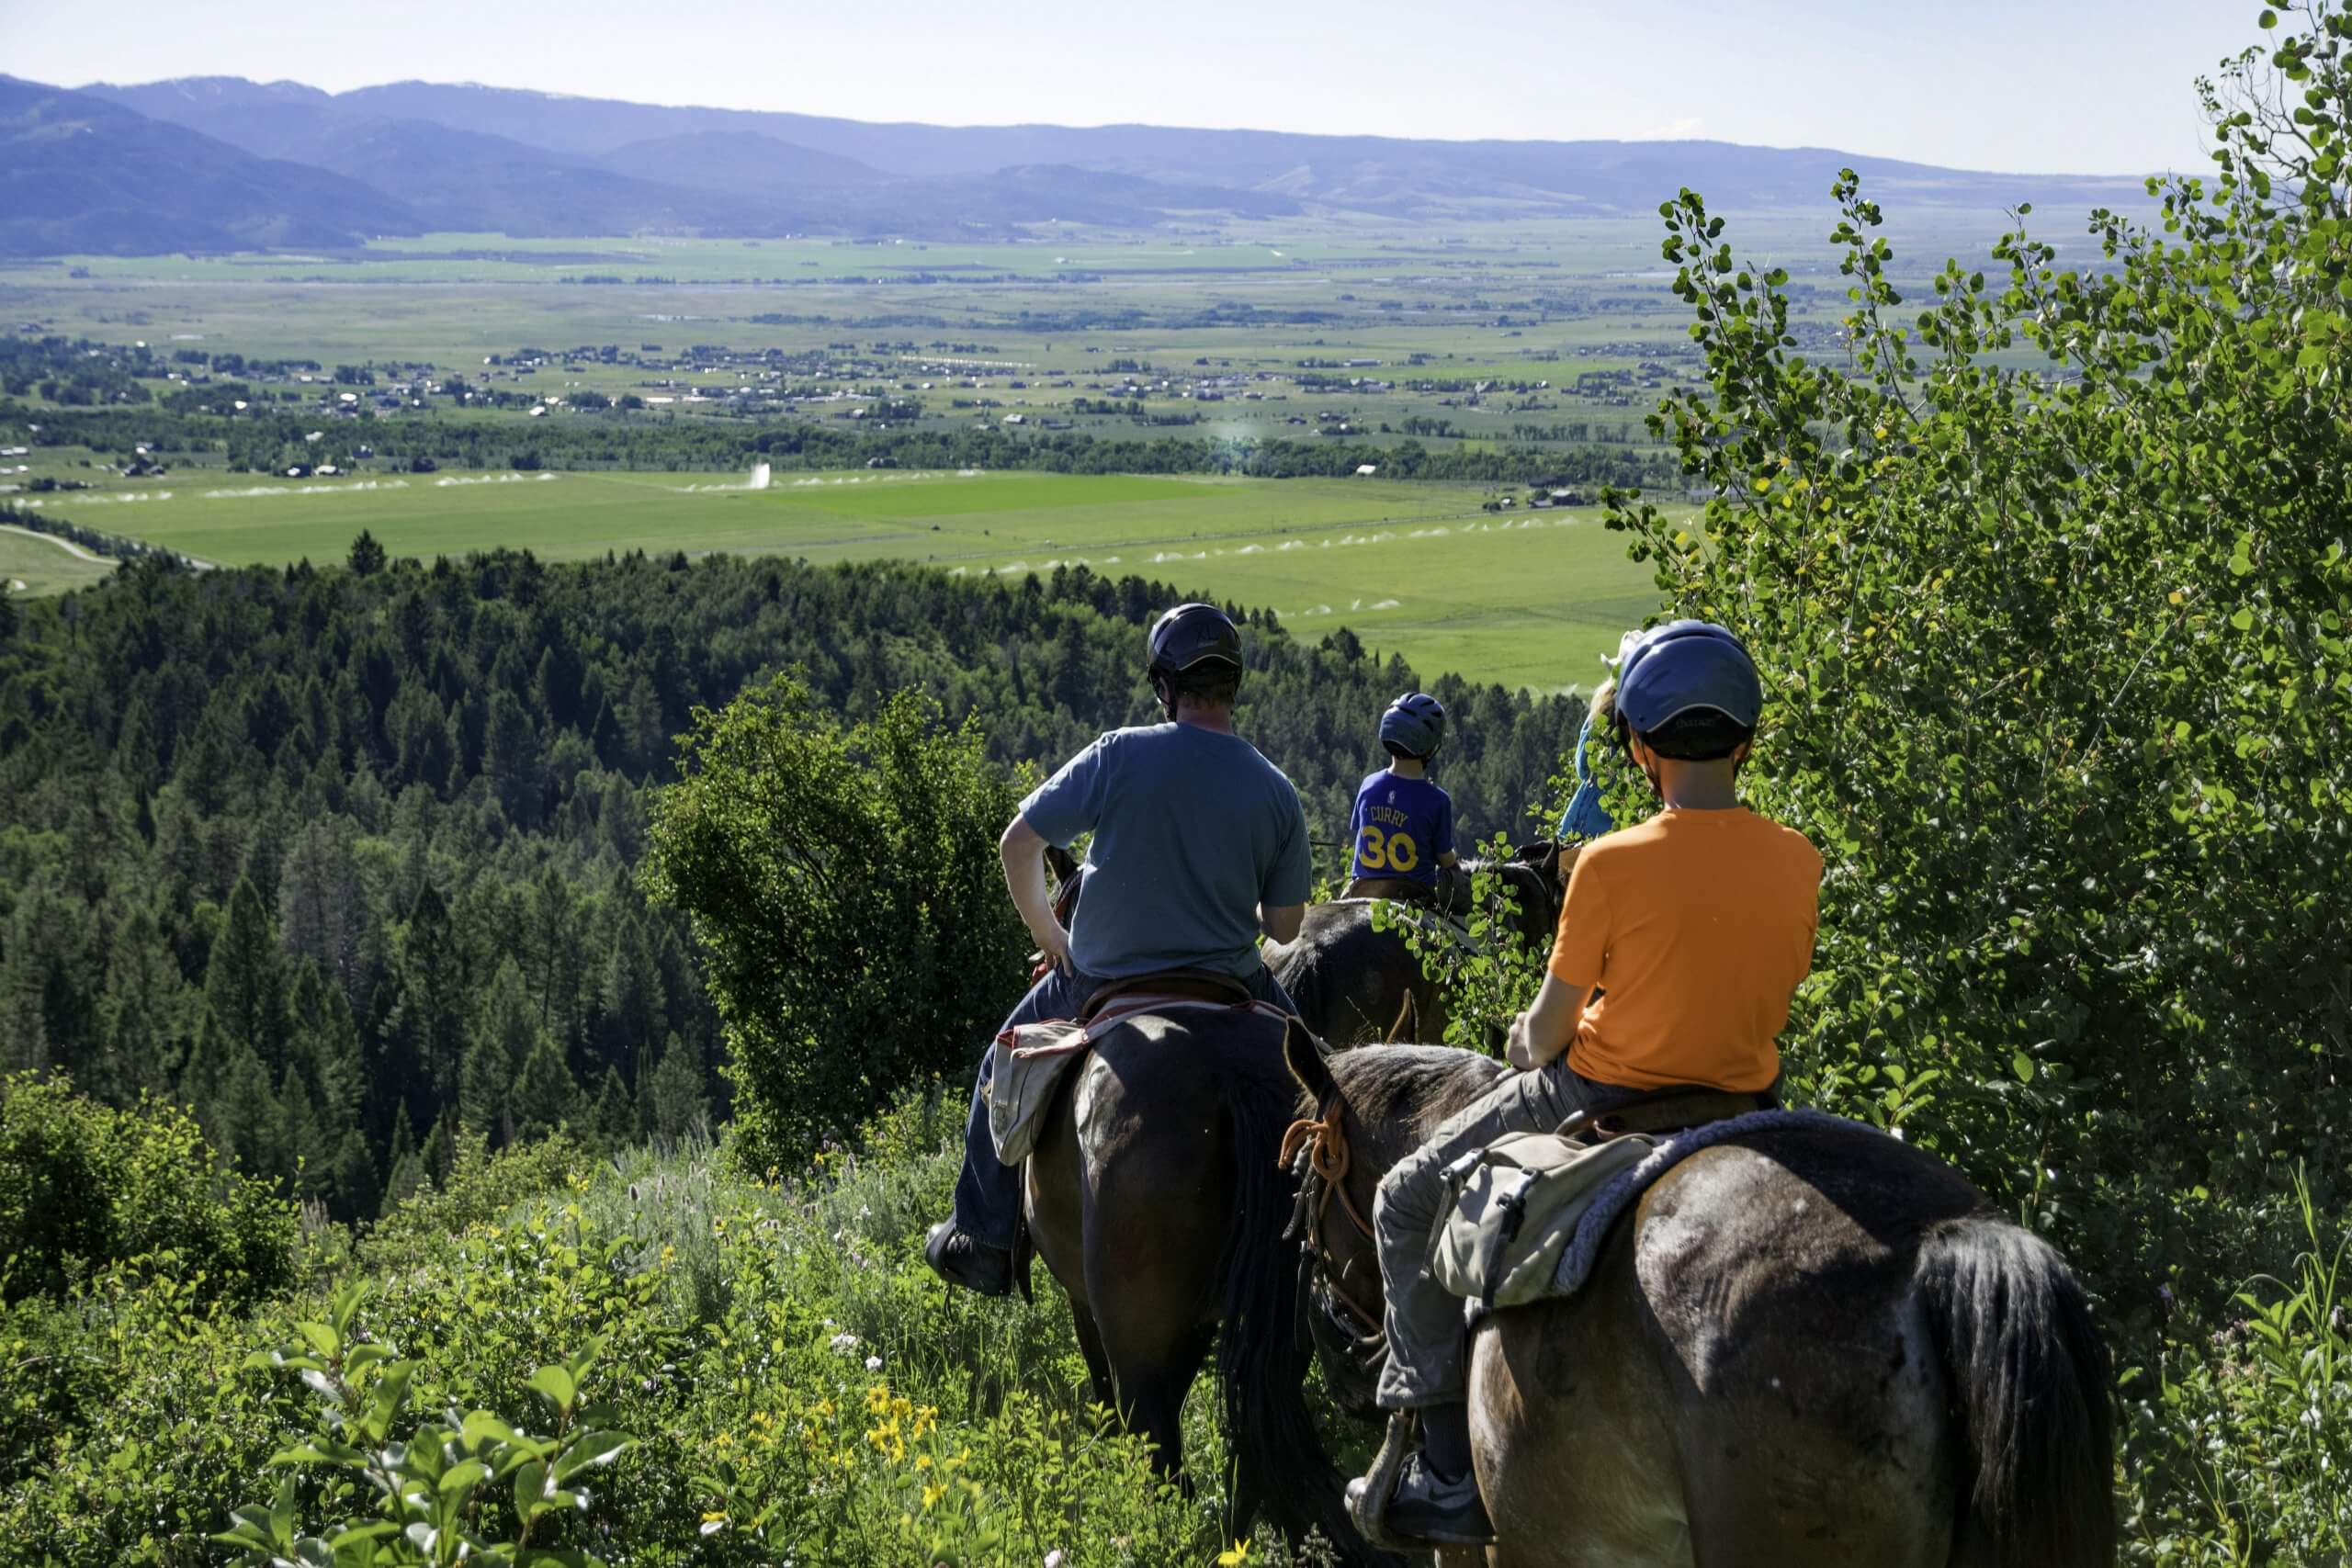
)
(744, 162)
(529, 164)
(81, 175)
(1368, 173)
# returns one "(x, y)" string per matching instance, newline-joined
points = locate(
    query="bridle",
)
(1319, 1144)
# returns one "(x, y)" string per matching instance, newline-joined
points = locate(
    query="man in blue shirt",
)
(1199, 846)
(1403, 825)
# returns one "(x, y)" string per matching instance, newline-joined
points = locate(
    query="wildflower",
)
(1239, 1557)
(932, 1495)
(842, 1344)
(873, 1363)
(1054, 1558)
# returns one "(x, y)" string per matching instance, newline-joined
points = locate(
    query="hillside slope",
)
(81, 175)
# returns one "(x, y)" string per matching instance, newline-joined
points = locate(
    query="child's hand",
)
(1518, 1053)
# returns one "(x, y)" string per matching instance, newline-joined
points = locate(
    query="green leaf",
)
(555, 1385)
(2022, 1064)
(530, 1488)
(592, 1449)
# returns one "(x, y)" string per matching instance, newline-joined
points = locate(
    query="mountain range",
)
(220, 163)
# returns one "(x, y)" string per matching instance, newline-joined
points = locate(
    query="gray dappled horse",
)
(1157, 1197)
(1355, 983)
(1814, 1345)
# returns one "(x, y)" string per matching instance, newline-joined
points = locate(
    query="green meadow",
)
(1529, 599)
(30, 564)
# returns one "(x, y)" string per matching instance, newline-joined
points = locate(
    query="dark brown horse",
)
(1354, 982)
(1156, 1198)
(1814, 1345)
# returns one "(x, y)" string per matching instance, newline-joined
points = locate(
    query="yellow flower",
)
(1237, 1558)
(712, 1519)
(932, 1495)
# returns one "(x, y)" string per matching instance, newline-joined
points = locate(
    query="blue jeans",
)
(987, 1193)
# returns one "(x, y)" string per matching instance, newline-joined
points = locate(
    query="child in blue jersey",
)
(1403, 825)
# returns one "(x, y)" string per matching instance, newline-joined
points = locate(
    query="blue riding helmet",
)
(1415, 725)
(1685, 665)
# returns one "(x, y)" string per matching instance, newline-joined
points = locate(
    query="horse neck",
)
(1395, 1095)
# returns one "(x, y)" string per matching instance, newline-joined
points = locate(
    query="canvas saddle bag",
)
(1516, 1205)
(1518, 1202)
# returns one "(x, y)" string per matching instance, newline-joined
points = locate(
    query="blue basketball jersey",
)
(1400, 828)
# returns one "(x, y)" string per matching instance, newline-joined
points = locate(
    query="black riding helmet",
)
(1192, 635)
(1192, 647)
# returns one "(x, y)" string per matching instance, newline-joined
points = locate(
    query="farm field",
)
(33, 564)
(1529, 600)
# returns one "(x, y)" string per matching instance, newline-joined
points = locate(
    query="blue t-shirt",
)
(1193, 831)
(1400, 827)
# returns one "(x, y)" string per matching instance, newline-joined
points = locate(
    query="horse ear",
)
(1305, 1056)
(1061, 862)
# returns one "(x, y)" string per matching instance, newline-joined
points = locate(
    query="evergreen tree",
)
(671, 1099)
(544, 1092)
(404, 1167)
(367, 555)
(244, 983)
(632, 1011)
(481, 1089)
(322, 911)
(613, 1118)
(429, 1029)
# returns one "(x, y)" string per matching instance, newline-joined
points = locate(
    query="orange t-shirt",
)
(1696, 926)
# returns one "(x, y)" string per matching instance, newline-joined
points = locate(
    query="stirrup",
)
(1369, 1508)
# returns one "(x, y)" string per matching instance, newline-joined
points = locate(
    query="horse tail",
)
(1279, 1464)
(2030, 1397)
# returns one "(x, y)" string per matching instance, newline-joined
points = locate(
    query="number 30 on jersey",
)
(1377, 850)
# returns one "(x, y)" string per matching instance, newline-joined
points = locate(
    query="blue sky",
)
(2094, 86)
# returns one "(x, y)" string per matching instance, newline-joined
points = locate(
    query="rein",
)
(1324, 1140)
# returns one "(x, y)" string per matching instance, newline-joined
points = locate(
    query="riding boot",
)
(1428, 1504)
(961, 1260)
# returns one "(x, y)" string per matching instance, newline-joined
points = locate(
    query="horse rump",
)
(2029, 1386)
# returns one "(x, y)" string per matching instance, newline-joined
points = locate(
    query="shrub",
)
(84, 1187)
(845, 887)
(2240, 1452)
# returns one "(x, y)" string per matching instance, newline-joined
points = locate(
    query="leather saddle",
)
(1193, 985)
(1674, 1108)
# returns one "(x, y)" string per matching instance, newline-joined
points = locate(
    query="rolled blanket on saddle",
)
(1532, 1210)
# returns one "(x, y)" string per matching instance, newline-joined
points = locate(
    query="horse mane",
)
(1399, 1093)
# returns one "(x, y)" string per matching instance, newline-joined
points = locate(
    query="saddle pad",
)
(1031, 1058)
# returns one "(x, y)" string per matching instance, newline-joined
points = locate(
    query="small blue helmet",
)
(1415, 725)
(1685, 665)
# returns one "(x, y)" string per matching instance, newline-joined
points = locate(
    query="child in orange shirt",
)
(1694, 929)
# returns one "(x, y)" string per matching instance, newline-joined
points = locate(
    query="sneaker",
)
(1426, 1507)
(960, 1261)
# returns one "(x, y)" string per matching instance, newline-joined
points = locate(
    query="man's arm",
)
(1543, 1030)
(1022, 850)
(1281, 921)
